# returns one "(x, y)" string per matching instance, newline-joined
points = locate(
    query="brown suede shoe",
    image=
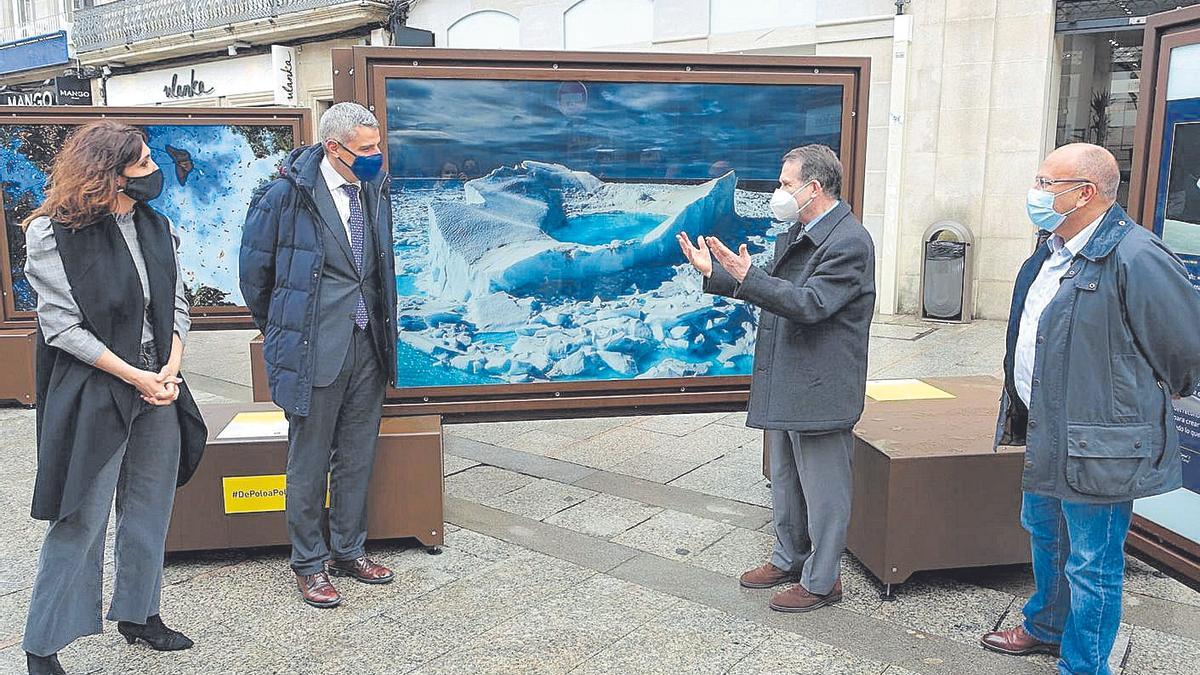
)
(767, 576)
(318, 591)
(798, 599)
(362, 569)
(1016, 642)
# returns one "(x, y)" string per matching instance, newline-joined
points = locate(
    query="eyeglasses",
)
(1045, 183)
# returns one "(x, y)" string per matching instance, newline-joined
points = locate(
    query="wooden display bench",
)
(929, 491)
(18, 349)
(405, 493)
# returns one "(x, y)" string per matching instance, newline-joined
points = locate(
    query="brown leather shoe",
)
(362, 569)
(1016, 642)
(317, 590)
(798, 599)
(767, 576)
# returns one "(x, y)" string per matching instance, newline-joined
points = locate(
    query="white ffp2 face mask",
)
(784, 206)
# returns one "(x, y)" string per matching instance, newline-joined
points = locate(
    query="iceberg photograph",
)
(210, 172)
(535, 223)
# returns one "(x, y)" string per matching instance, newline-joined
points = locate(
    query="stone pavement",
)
(584, 546)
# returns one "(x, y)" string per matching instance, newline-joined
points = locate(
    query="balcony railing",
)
(42, 26)
(129, 21)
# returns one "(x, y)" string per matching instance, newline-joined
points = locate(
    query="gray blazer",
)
(817, 299)
(340, 286)
(1118, 339)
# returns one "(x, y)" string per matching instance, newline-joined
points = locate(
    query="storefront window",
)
(1098, 94)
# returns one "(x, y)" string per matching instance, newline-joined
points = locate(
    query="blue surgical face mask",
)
(365, 167)
(1040, 206)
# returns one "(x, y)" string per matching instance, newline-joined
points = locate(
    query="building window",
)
(488, 29)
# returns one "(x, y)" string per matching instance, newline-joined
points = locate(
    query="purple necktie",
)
(356, 247)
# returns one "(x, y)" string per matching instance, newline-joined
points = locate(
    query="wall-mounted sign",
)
(34, 52)
(283, 65)
(63, 90)
(272, 75)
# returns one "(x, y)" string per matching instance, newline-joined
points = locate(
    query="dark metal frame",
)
(300, 119)
(1164, 32)
(359, 75)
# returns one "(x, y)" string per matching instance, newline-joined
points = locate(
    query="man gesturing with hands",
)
(810, 367)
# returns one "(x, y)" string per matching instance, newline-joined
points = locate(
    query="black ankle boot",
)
(155, 634)
(44, 665)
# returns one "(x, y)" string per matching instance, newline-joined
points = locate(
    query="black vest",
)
(89, 411)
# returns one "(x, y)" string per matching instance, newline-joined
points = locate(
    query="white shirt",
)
(1041, 292)
(340, 199)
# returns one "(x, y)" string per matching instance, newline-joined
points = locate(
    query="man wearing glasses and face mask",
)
(1102, 334)
(810, 368)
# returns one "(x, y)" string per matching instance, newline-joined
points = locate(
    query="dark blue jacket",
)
(281, 260)
(1116, 342)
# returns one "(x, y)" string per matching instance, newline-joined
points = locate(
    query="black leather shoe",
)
(155, 634)
(43, 665)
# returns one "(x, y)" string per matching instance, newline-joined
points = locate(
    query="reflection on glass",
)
(1181, 222)
(1098, 94)
(548, 254)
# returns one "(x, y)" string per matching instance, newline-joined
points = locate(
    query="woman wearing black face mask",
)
(114, 417)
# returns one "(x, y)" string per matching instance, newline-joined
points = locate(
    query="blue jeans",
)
(1079, 567)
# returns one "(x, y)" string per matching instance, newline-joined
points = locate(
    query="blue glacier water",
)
(601, 228)
(550, 320)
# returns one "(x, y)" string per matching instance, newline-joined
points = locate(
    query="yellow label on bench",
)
(257, 494)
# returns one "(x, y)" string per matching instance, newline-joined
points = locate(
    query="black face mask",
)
(144, 188)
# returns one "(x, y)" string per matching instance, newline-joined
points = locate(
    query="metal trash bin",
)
(947, 273)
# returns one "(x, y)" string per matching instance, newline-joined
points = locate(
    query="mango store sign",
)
(273, 73)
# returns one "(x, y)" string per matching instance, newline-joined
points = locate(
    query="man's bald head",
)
(1084, 160)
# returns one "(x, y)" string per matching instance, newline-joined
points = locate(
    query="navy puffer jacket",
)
(281, 259)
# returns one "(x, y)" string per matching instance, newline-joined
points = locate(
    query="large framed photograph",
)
(536, 200)
(212, 161)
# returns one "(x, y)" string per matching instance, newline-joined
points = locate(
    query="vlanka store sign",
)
(239, 76)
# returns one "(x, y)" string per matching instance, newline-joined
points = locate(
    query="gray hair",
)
(819, 163)
(341, 121)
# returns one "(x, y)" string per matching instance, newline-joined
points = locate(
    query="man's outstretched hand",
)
(697, 255)
(737, 264)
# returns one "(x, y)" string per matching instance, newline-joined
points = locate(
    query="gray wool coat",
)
(817, 298)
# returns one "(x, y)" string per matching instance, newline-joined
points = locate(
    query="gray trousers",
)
(66, 602)
(336, 439)
(811, 486)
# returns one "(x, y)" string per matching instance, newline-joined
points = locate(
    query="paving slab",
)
(940, 606)
(560, 633)
(790, 653)
(515, 460)
(485, 482)
(674, 535)
(452, 464)
(656, 467)
(679, 424)
(711, 507)
(540, 499)
(1156, 653)
(596, 554)
(687, 638)
(603, 516)
(736, 552)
